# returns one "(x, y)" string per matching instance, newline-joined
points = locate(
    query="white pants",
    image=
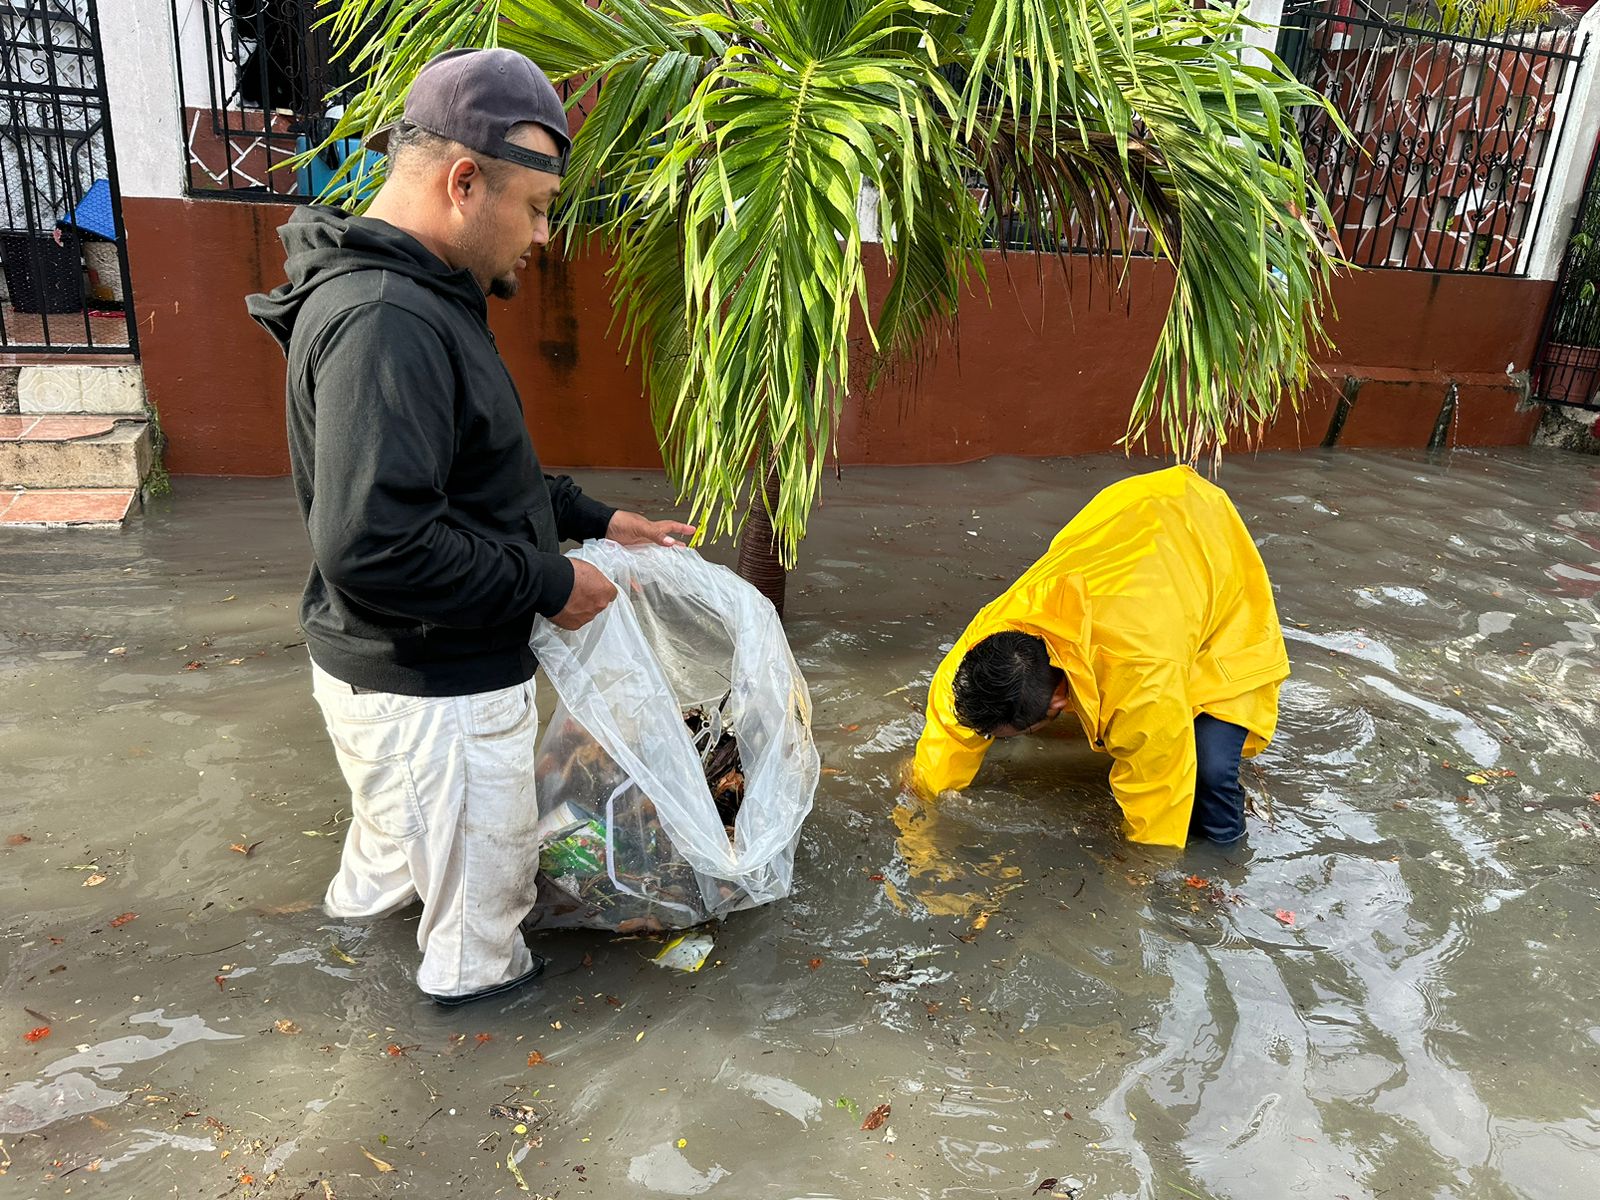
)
(441, 792)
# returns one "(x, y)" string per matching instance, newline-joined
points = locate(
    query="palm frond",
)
(727, 151)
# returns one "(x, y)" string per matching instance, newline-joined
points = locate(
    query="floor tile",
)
(50, 506)
(12, 428)
(50, 429)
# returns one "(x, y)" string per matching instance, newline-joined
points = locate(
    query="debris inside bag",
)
(603, 864)
(719, 754)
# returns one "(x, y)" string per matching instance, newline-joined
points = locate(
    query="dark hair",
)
(1005, 680)
(410, 143)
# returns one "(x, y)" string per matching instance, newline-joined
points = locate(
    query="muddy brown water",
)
(1034, 998)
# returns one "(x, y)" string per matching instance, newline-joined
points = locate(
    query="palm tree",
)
(735, 148)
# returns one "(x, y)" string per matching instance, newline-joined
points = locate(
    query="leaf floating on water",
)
(1199, 882)
(18, 839)
(876, 1118)
(815, 963)
(286, 1027)
(196, 665)
(484, 1037)
(37, 1035)
(1475, 778)
(1285, 917)
(849, 1105)
(383, 1167)
(682, 1142)
(95, 880)
(1046, 1185)
(119, 922)
(333, 949)
(535, 1058)
(981, 921)
(241, 848)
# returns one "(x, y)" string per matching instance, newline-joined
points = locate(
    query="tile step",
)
(74, 451)
(55, 508)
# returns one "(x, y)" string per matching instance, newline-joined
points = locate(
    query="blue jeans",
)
(1218, 797)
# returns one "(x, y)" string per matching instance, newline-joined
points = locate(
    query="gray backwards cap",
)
(476, 97)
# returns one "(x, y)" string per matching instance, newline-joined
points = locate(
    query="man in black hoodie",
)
(435, 534)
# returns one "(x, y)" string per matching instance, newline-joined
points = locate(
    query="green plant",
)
(158, 481)
(1577, 321)
(725, 157)
(1486, 18)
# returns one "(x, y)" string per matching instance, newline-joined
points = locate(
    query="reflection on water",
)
(1388, 992)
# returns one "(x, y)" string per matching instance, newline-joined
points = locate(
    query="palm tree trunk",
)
(758, 549)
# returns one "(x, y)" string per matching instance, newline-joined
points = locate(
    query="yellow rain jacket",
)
(1155, 603)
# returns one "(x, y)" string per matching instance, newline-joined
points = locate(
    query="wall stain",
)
(558, 320)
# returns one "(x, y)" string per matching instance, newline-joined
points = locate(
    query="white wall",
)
(1270, 14)
(1562, 179)
(142, 82)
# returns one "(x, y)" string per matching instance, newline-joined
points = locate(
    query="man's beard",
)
(501, 287)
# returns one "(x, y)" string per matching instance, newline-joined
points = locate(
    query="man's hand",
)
(592, 594)
(631, 529)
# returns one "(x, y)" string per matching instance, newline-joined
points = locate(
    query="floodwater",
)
(1392, 991)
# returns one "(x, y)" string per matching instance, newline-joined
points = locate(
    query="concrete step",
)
(74, 452)
(55, 508)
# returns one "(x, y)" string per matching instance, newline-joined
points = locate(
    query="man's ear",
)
(463, 174)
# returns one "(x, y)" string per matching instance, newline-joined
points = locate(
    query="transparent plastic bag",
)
(631, 835)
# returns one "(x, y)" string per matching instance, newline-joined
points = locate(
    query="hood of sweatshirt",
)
(323, 243)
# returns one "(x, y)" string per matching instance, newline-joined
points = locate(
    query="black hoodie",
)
(435, 535)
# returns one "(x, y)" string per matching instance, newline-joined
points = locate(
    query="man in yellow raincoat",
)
(1152, 617)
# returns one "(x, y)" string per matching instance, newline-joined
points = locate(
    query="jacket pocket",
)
(1251, 666)
(384, 795)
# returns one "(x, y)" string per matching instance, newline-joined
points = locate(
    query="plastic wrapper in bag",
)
(631, 837)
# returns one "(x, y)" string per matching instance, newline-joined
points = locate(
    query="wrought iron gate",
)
(63, 268)
(1567, 367)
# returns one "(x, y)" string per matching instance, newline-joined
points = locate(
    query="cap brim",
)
(378, 139)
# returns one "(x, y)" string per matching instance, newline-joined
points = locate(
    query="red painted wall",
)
(1046, 364)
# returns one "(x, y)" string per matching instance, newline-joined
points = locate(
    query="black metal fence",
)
(62, 266)
(260, 82)
(1567, 366)
(1454, 118)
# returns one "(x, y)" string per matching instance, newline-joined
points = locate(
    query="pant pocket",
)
(501, 713)
(384, 795)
